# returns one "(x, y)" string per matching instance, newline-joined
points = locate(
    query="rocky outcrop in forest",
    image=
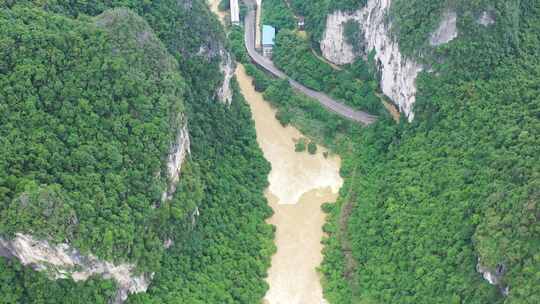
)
(446, 31)
(398, 73)
(494, 276)
(179, 150)
(227, 67)
(62, 261)
(212, 51)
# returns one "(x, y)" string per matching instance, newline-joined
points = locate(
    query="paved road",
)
(323, 99)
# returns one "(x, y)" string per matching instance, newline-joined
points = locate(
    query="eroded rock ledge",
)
(62, 261)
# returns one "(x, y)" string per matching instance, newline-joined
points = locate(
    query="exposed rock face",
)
(486, 19)
(226, 66)
(62, 261)
(398, 74)
(179, 150)
(446, 31)
(334, 46)
(493, 276)
(224, 92)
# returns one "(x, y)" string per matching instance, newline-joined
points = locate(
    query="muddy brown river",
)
(299, 183)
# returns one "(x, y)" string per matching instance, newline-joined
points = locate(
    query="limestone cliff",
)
(213, 51)
(63, 261)
(446, 31)
(398, 73)
(179, 150)
(494, 276)
(224, 92)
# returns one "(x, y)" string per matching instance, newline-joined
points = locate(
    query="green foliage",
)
(300, 145)
(220, 256)
(457, 185)
(79, 108)
(277, 14)
(293, 55)
(224, 5)
(20, 284)
(355, 36)
(224, 258)
(312, 148)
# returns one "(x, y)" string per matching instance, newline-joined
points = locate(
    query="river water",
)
(299, 183)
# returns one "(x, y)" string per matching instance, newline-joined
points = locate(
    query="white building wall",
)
(235, 12)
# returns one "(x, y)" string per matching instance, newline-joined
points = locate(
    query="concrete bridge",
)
(325, 100)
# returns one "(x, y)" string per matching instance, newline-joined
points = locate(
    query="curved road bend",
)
(323, 99)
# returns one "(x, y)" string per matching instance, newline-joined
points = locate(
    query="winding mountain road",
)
(326, 101)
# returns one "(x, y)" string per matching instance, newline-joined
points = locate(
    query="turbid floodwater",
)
(299, 183)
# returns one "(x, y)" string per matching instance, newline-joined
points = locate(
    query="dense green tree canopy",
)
(89, 112)
(222, 254)
(457, 186)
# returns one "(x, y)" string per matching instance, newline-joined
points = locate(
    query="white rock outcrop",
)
(486, 19)
(227, 66)
(179, 150)
(224, 92)
(62, 261)
(398, 73)
(494, 276)
(447, 30)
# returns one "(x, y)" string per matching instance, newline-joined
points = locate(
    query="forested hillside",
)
(458, 187)
(85, 159)
(87, 122)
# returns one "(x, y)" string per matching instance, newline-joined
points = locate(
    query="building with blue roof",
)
(268, 38)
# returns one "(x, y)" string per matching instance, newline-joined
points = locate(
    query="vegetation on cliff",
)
(457, 186)
(216, 219)
(19, 284)
(87, 124)
(353, 85)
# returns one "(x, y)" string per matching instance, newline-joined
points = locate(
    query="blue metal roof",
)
(269, 34)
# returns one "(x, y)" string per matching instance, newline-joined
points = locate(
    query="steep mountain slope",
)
(455, 191)
(88, 121)
(219, 188)
(87, 106)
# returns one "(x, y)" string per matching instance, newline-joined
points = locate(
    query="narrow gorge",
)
(283, 152)
(299, 184)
